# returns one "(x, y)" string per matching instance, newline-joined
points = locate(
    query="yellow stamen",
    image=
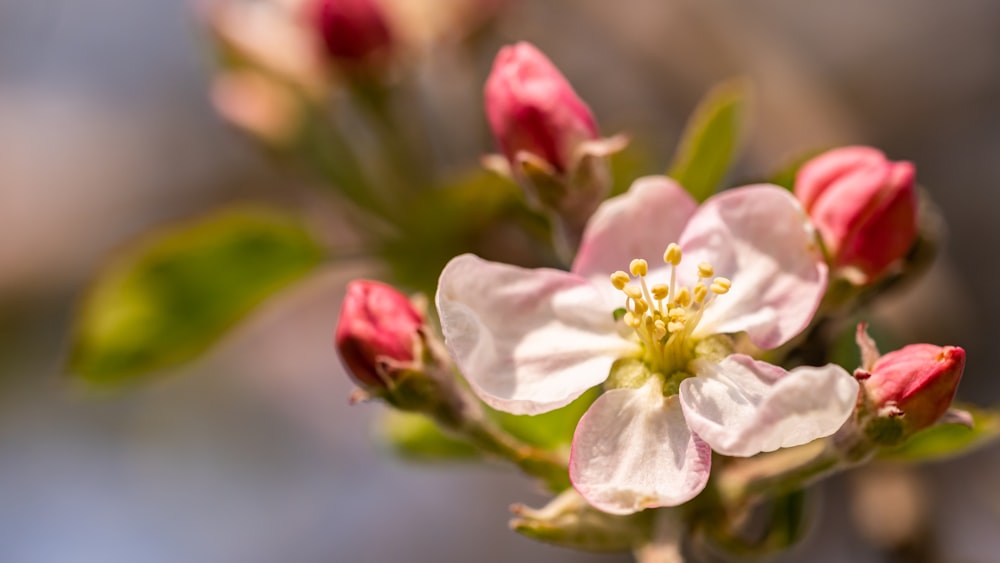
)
(640, 307)
(631, 320)
(720, 286)
(638, 267)
(620, 279)
(683, 297)
(660, 291)
(664, 316)
(700, 292)
(673, 254)
(633, 292)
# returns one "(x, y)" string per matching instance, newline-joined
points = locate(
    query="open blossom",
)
(530, 341)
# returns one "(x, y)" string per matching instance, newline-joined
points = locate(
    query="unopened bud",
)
(910, 389)
(532, 108)
(378, 328)
(864, 206)
(355, 33)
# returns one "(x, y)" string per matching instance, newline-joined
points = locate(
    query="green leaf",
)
(474, 214)
(709, 141)
(549, 430)
(785, 176)
(945, 441)
(415, 437)
(172, 294)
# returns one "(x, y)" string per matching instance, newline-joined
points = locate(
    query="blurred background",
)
(253, 455)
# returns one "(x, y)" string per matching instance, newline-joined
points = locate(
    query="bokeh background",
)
(253, 455)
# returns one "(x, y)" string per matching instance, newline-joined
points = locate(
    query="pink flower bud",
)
(864, 206)
(355, 33)
(377, 324)
(532, 108)
(916, 382)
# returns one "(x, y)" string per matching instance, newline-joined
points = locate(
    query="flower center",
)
(664, 316)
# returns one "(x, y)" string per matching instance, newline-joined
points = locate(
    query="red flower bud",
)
(864, 206)
(917, 382)
(531, 107)
(377, 324)
(355, 33)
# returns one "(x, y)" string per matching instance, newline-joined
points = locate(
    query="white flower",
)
(530, 341)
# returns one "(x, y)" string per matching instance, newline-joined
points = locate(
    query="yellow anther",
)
(683, 297)
(673, 254)
(675, 326)
(659, 328)
(631, 320)
(677, 314)
(720, 286)
(638, 267)
(705, 270)
(700, 292)
(640, 306)
(659, 291)
(634, 292)
(620, 279)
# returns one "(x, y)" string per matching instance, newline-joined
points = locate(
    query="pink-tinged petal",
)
(742, 407)
(633, 450)
(637, 224)
(527, 341)
(760, 238)
(816, 175)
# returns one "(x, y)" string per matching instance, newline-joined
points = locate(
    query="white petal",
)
(742, 407)
(637, 224)
(633, 450)
(759, 238)
(527, 341)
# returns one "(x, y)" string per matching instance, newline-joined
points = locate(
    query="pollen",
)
(664, 315)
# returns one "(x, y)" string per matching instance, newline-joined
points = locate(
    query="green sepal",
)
(173, 293)
(568, 521)
(708, 144)
(945, 441)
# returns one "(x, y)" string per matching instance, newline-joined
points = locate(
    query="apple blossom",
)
(355, 33)
(377, 324)
(908, 389)
(549, 140)
(533, 109)
(864, 206)
(530, 341)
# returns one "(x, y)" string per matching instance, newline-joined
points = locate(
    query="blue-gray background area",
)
(252, 454)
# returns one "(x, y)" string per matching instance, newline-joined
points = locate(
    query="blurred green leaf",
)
(172, 294)
(478, 214)
(948, 440)
(785, 176)
(549, 430)
(630, 163)
(709, 141)
(415, 437)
